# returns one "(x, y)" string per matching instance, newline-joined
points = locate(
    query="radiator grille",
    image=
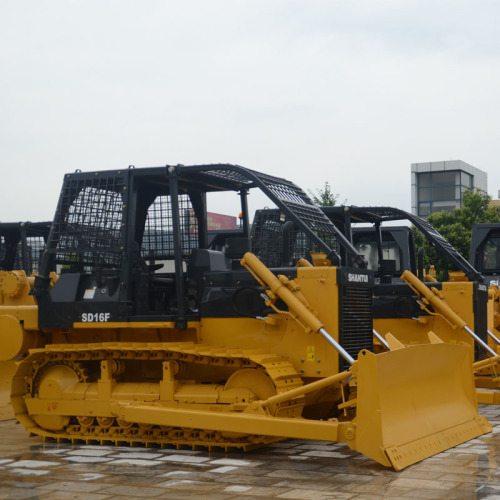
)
(356, 322)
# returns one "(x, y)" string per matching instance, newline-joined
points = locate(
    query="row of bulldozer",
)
(134, 323)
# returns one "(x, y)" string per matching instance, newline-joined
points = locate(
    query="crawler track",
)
(82, 362)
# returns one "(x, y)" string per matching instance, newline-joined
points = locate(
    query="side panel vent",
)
(356, 321)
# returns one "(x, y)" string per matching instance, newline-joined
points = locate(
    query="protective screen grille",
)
(294, 198)
(287, 195)
(158, 239)
(90, 231)
(278, 243)
(267, 237)
(356, 322)
(35, 245)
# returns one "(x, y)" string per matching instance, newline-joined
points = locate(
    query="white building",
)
(439, 185)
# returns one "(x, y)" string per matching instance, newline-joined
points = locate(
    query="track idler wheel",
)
(52, 382)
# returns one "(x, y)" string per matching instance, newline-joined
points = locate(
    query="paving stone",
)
(185, 459)
(13, 493)
(133, 491)
(143, 455)
(259, 491)
(28, 472)
(190, 495)
(283, 444)
(236, 463)
(20, 483)
(71, 486)
(53, 451)
(312, 494)
(238, 489)
(35, 464)
(84, 452)
(180, 473)
(88, 476)
(297, 466)
(134, 462)
(487, 491)
(323, 453)
(132, 480)
(131, 473)
(64, 495)
(182, 451)
(254, 480)
(305, 485)
(299, 474)
(87, 459)
(224, 470)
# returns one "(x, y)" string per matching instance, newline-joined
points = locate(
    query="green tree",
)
(324, 197)
(456, 227)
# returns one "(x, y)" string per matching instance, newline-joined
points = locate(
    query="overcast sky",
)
(349, 92)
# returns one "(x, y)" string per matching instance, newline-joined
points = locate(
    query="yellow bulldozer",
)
(144, 326)
(409, 303)
(21, 248)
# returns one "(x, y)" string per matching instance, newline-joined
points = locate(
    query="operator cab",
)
(143, 245)
(397, 248)
(22, 245)
(485, 251)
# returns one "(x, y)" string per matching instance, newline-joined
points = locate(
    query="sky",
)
(345, 92)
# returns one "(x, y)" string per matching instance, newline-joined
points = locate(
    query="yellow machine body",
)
(308, 352)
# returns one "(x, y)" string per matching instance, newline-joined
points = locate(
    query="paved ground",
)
(294, 469)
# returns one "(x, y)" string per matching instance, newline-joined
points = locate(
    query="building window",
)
(466, 181)
(443, 190)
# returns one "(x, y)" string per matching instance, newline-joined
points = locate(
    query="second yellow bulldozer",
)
(409, 302)
(21, 247)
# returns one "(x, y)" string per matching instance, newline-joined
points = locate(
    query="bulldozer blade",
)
(7, 370)
(415, 402)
